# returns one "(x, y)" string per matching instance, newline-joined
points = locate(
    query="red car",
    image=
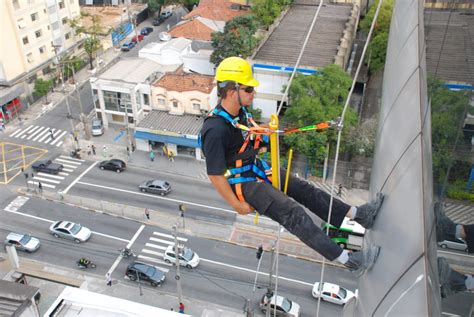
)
(138, 38)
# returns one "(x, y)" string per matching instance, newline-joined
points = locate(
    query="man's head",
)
(235, 80)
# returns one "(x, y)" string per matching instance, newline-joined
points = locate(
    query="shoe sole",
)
(379, 197)
(371, 257)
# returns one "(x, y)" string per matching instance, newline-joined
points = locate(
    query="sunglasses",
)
(248, 89)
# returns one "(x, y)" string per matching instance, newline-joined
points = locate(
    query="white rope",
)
(339, 134)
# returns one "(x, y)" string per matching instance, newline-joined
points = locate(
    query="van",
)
(97, 127)
(166, 13)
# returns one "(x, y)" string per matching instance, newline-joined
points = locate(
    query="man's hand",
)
(243, 208)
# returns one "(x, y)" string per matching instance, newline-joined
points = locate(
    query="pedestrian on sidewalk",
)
(104, 151)
(339, 190)
(40, 187)
(147, 213)
(51, 134)
(32, 175)
(170, 156)
(165, 150)
(108, 278)
(93, 149)
(152, 155)
(181, 308)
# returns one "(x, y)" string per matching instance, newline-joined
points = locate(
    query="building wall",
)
(185, 101)
(28, 29)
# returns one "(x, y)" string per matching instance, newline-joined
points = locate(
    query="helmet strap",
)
(237, 89)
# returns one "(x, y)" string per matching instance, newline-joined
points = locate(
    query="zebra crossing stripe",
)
(59, 144)
(57, 137)
(44, 185)
(151, 245)
(46, 180)
(24, 131)
(16, 204)
(67, 161)
(40, 134)
(152, 252)
(64, 174)
(32, 133)
(47, 135)
(68, 170)
(14, 133)
(49, 175)
(71, 158)
(149, 259)
(169, 236)
(162, 241)
(69, 166)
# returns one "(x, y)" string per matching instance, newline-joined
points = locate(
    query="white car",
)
(70, 230)
(332, 293)
(23, 242)
(455, 244)
(187, 257)
(164, 36)
(284, 306)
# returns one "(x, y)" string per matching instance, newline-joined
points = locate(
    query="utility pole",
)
(87, 132)
(129, 137)
(269, 289)
(176, 255)
(250, 304)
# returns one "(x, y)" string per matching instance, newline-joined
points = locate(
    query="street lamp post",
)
(83, 116)
(176, 254)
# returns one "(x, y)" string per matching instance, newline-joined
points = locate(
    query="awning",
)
(183, 141)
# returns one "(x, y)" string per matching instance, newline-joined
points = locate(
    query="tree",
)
(314, 99)
(42, 88)
(265, 11)
(360, 140)
(92, 43)
(153, 6)
(236, 40)
(377, 52)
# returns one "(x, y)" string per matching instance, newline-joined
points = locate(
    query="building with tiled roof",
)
(219, 10)
(198, 29)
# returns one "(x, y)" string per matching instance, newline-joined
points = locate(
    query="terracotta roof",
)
(192, 30)
(219, 10)
(181, 81)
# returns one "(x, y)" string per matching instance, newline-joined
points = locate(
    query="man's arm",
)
(224, 189)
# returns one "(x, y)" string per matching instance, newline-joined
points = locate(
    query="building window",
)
(21, 24)
(117, 101)
(56, 25)
(29, 57)
(61, 5)
(67, 36)
(16, 5)
(25, 40)
(161, 101)
(64, 21)
(146, 99)
(196, 106)
(42, 49)
(175, 104)
(38, 33)
(34, 16)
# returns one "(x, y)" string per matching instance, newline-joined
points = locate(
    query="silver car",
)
(70, 230)
(155, 186)
(456, 244)
(23, 242)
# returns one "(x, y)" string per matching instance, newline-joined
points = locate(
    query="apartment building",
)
(30, 28)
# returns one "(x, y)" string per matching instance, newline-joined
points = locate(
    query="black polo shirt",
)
(221, 141)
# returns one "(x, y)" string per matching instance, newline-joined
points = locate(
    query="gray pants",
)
(288, 212)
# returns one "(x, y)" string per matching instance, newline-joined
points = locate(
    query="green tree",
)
(360, 140)
(265, 11)
(153, 6)
(236, 40)
(447, 111)
(377, 49)
(314, 99)
(92, 43)
(42, 88)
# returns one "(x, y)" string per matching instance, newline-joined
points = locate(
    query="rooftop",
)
(197, 29)
(284, 44)
(220, 10)
(162, 120)
(186, 82)
(133, 70)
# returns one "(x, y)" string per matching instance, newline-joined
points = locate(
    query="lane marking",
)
(135, 237)
(28, 128)
(147, 258)
(41, 133)
(152, 252)
(158, 197)
(119, 257)
(49, 175)
(59, 144)
(30, 132)
(169, 236)
(46, 180)
(57, 137)
(71, 158)
(46, 135)
(79, 177)
(68, 170)
(155, 246)
(162, 241)
(69, 162)
(33, 133)
(14, 133)
(69, 166)
(64, 174)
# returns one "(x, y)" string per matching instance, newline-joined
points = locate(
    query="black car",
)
(146, 30)
(47, 166)
(138, 271)
(113, 165)
(157, 21)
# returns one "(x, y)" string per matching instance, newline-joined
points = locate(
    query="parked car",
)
(187, 257)
(97, 127)
(47, 166)
(113, 165)
(146, 30)
(332, 293)
(157, 21)
(138, 38)
(155, 186)
(138, 271)
(455, 244)
(165, 36)
(23, 242)
(284, 306)
(127, 46)
(166, 13)
(70, 230)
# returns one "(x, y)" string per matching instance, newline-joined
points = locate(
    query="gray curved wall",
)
(404, 280)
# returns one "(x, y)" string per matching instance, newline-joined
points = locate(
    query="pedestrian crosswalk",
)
(41, 134)
(52, 181)
(460, 213)
(152, 253)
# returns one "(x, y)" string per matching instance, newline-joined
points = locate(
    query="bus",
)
(349, 236)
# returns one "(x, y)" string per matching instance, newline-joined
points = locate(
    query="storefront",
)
(10, 104)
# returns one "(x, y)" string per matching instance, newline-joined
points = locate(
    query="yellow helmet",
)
(236, 69)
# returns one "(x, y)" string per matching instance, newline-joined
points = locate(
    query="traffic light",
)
(259, 252)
